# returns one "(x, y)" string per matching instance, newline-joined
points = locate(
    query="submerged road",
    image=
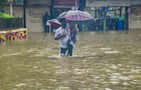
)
(101, 61)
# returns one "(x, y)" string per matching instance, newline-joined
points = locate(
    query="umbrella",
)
(76, 15)
(54, 22)
(62, 15)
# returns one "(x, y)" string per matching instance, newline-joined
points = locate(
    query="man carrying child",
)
(67, 37)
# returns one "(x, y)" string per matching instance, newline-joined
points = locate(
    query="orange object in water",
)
(3, 37)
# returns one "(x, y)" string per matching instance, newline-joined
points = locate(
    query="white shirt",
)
(64, 40)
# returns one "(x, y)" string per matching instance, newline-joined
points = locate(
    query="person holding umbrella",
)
(68, 39)
(72, 40)
(62, 34)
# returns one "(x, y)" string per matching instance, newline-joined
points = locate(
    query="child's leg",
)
(63, 51)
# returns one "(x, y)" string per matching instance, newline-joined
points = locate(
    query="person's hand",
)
(69, 30)
(64, 34)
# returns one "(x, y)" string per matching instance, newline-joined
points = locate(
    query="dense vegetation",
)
(2, 2)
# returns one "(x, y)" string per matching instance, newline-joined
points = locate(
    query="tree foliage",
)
(2, 2)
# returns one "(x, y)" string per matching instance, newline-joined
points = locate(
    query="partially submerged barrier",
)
(17, 34)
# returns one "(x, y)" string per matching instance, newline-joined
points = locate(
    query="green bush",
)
(10, 23)
(4, 15)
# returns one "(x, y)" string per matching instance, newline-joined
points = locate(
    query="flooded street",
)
(101, 61)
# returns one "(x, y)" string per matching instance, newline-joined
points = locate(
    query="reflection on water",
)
(101, 61)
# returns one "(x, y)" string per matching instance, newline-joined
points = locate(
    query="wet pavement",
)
(101, 61)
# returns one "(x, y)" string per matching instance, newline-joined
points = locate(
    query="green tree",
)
(2, 2)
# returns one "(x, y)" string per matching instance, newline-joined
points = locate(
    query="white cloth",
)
(64, 40)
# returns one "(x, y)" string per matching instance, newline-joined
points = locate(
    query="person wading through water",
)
(72, 40)
(67, 37)
(62, 35)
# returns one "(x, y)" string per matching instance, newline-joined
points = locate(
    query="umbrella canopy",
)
(76, 15)
(62, 15)
(54, 22)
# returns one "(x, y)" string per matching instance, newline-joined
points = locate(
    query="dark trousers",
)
(70, 50)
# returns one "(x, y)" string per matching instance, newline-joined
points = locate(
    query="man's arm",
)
(60, 36)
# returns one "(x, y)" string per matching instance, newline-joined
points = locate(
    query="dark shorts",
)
(63, 51)
(67, 51)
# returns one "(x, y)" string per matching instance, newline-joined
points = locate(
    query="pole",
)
(82, 4)
(11, 8)
(76, 4)
(51, 9)
(127, 18)
(24, 13)
(51, 14)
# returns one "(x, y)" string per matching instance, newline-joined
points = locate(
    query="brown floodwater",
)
(101, 61)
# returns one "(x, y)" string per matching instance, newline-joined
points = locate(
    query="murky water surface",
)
(101, 61)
